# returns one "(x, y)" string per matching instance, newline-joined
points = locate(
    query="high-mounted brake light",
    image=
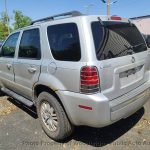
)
(89, 80)
(115, 18)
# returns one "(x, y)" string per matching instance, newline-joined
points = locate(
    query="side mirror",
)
(148, 41)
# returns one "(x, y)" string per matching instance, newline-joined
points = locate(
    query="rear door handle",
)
(31, 69)
(9, 66)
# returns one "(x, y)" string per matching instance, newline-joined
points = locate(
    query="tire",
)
(1, 93)
(63, 127)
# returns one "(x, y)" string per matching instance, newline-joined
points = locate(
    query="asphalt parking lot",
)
(20, 129)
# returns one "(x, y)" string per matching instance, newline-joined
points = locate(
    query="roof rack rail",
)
(72, 14)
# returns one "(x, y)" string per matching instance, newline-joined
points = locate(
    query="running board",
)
(18, 97)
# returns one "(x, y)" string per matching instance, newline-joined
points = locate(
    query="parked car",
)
(77, 70)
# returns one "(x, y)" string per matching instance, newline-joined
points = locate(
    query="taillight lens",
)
(89, 80)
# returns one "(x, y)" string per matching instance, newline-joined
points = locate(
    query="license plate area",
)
(131, 76)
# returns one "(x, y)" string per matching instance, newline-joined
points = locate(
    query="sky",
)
(37, 9)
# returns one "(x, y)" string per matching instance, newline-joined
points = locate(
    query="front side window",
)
(30, 45)
(116, 39)
(9, 47)
(64, 42)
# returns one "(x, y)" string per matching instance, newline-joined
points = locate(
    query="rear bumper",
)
(103, 112)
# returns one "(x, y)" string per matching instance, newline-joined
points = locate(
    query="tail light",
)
(89, 80)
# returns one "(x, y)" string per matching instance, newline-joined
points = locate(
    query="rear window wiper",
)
(135, 46)
(138, 45)
(130, 49)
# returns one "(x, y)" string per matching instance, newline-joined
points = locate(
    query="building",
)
(143, 24)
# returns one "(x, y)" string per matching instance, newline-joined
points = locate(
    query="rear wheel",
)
(53, 118)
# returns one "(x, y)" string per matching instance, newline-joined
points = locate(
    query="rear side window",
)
(116, 39)
(30, 45)
(64, 42)
(8, 49)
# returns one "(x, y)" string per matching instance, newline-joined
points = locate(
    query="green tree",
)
(3, 30)
(4, 25)
(21, 20)
(5, 18)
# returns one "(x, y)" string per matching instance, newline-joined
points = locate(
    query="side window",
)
(64, 42)
(30, 45)
(8, 49)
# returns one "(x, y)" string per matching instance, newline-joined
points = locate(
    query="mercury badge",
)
(133, 60)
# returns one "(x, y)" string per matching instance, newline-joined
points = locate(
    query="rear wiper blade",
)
(135, 46)
(129, 50)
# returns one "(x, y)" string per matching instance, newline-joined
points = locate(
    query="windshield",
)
(116, 39)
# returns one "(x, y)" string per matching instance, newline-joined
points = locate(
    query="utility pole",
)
(7, 17)
(108, 3)
(108, 7)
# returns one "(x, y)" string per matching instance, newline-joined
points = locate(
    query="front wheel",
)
(53, 117)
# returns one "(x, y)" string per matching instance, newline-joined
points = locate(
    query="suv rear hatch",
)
(123, 57)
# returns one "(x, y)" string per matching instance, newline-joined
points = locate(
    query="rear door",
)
(7, 60)
(123, 57)
(28, 64)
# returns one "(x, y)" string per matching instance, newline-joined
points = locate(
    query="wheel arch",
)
(44, 88)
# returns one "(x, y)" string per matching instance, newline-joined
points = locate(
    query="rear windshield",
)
(114, 39)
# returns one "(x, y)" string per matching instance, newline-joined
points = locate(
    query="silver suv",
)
(77, 70)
